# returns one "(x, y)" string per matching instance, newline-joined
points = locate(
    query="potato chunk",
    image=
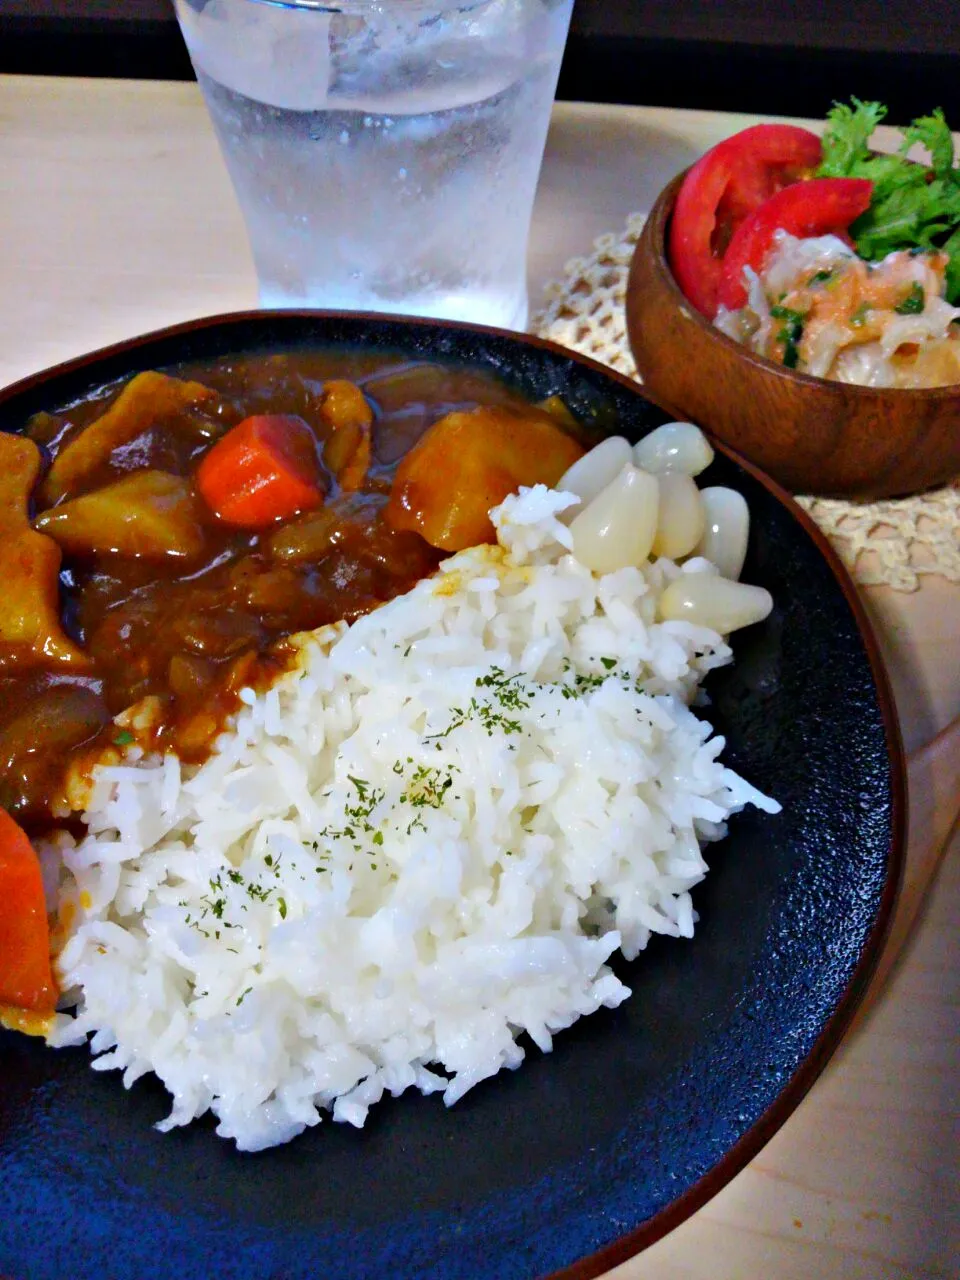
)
(30, 630)
(467, 463)
(19, 468)
(145, 400)
(347, 451)
(148, 514)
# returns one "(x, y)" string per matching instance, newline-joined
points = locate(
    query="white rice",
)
(529, 792)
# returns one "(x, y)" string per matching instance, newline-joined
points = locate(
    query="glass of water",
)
(385, 153)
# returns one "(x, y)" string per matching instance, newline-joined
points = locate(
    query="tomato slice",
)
(732, 180)
(774, 156)
(816, 208)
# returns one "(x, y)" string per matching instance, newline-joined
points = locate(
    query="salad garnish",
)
(825, 256)
(913, 206)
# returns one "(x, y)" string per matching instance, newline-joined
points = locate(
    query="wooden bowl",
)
(811, 434)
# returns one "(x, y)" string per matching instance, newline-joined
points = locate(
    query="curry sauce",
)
(120, 582)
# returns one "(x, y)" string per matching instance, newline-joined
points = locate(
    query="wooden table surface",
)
(117, 216)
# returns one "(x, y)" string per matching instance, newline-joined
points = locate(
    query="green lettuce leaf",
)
(914, 205)
(846, 137)
(933, 134)
(952, 246)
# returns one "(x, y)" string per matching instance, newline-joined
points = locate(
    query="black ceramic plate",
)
(585, 1155)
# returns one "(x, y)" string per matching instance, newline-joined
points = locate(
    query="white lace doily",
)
(893, 542)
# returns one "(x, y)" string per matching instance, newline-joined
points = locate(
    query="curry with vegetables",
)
(160, 539)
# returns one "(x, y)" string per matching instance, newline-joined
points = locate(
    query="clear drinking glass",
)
(385, 153)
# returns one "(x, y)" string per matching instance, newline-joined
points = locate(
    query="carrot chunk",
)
(26, 978)
(263, 470)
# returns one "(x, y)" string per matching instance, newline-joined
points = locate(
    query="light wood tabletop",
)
(117, 217)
